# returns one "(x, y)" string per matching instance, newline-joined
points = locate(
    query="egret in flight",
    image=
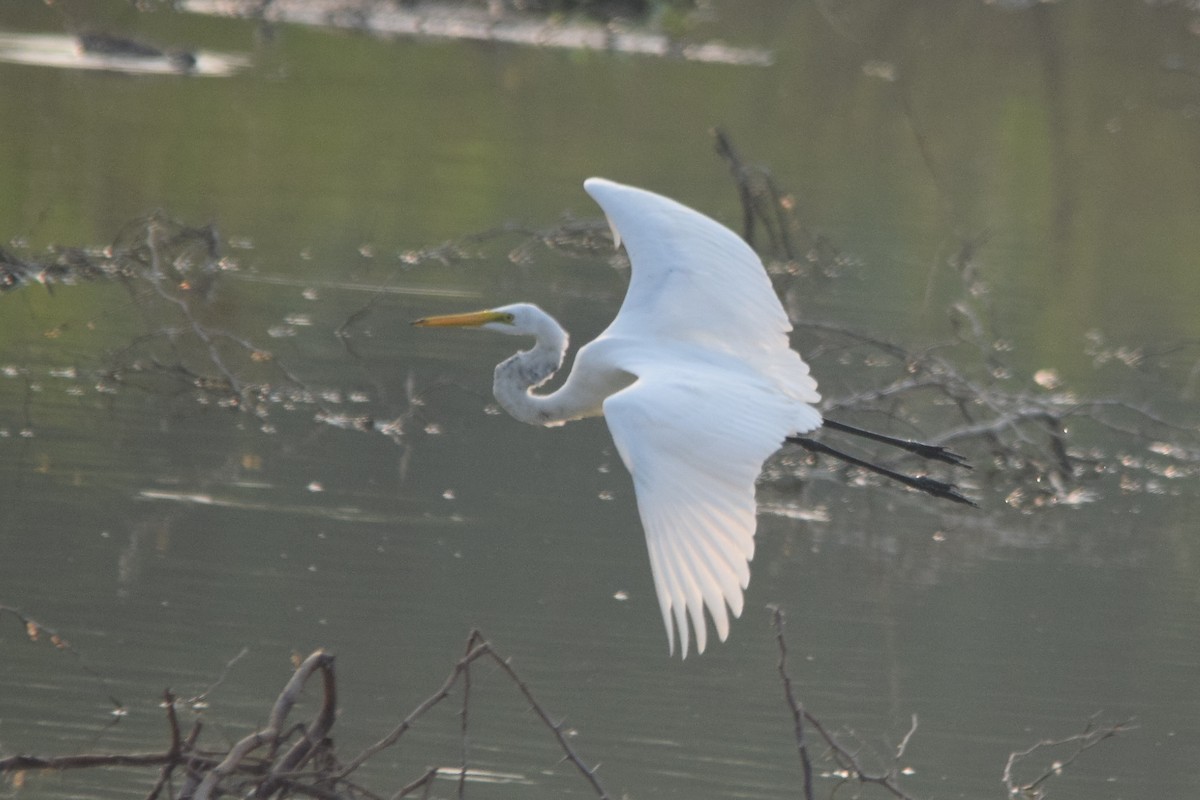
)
(699, 386)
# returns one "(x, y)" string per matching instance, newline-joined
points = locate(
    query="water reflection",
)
(494, 24)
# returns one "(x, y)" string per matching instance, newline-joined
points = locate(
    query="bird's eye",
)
(507, 319)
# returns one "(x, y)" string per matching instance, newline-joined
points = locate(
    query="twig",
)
(556, 727)
(473, 639)
(314, 734)
(270, 735)
(846, 760)
(1085, 740)
(760, 197)
(424, 781)
(35, 630)
(82, 761)
(220, 678)
(418, 712)
(793, 704)
(176, 748)
(273, 772)
(482, 649)
(900, 748)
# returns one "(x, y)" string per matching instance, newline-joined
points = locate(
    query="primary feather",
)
(718, 390)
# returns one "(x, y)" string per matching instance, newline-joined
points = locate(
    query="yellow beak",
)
(471, 320)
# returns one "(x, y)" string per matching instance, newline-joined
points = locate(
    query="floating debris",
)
(154, 246)
(113, 46)
(96, 51)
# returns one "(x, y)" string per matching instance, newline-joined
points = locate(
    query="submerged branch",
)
(477, 648)
(1088, 738)
(793, 703)
(961, 390)
(848, 763)
(259, 765)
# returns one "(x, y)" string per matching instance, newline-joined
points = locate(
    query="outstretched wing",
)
(694, 436)
(695, 281)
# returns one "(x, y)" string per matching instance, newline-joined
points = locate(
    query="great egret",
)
(698, 384)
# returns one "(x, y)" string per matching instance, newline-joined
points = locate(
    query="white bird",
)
(698, 384)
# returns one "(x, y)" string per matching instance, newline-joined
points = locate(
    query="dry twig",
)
(263, 765)
(1085, 740)
(848, 763)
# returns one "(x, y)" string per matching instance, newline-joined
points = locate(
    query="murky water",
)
(378, 506)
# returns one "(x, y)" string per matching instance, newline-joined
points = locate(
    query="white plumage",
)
(698, 384)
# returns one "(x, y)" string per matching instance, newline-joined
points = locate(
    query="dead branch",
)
(478, 648)
(423, 708)
(203, 696)
(472, 640)
(259, 765)
(35, 631)
(959, 389)
(1085, 740)
(978, 398)
(848, 763)
(762, 202)
(315, 734)
(900, 748)
(793, 703)
(270, 735)
(82, 761)
(555, 727)
(170, 270)
(176, 748)
(423, 782)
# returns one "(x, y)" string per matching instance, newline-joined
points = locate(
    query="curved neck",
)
(518, 375)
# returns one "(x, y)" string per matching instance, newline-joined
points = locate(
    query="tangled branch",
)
(1027, 432)
(283, 759)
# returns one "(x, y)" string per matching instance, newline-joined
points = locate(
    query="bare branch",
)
(473, 639)
(423, 782)
(270, 735)
(846, 760)
(555, 727)
(423, 708)
(793, 704)
(315, 733)
(478, 648)
(200, 698)
(900, 748)
(36, 631)
(1085, 740)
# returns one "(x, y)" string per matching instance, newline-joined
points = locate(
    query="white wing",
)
(694, 437)
(694, 280)
(718, 389)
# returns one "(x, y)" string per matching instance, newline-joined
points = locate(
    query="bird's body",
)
(697, 382)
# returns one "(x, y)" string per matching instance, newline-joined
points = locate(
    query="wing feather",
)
(695, 280)
(716, 388)
(699, 561)
(694, 441)
(664, 583)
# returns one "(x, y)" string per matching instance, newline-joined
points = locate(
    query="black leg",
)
(946, 491)
(930, 451)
